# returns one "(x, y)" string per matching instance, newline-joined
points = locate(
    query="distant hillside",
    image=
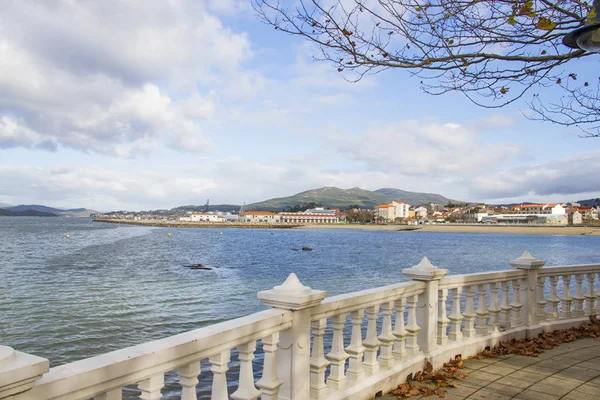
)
(589, 202)
(73, 212)
(4, 205)
(327, 196)
(27, 213)
(414, 198)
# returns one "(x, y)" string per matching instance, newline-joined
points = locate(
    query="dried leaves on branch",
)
(493, 51)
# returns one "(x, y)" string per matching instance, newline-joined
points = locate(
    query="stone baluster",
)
(386, 357)
(371, 343)
(270, 383)
(505, 306)
(566, 300)
(412, 329)
(598, 297)
(188, 379)
(515, 313)
(399, 331)
(482, 313)
(293, 353)
(355, 350)
(337, 357)
(219, 366)
(469, 314)
(541, 300)
(422, 329)
(150, 387)
(115, 394)
(442, 322)
(578, 296)
(318, 362)
(494, 310)
(553, 299)
(528, 304)
(455, 316)
(590, 295)
(19, 371)
(246, 389)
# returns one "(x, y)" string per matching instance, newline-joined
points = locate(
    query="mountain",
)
(4, 205)
(414, 198)
(73, 212)
(589, 202)
(327, 196)
(26, 213)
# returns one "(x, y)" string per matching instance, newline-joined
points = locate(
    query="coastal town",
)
(395, 212)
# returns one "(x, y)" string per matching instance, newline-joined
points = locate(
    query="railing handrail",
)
(349, 302)
(569, 269)
(80, 379)
(455, 281)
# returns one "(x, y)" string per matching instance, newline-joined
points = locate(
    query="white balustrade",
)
(355, 350)
(598, 297)
(494, 309)
(371, 342)
(515, 314)
(578, 297)
(566, 300)
(469, 314)
(553, 300)
(400, 332)
(386, 356)
(188, 379)
(337, 357)
(151, 387)
(455, 316)
(590, 295)
(219, 367)
(482, 313)
(270, 383)
(412, 344)
(246, 389)
(292, 369)
(318, 362)
(443, 320)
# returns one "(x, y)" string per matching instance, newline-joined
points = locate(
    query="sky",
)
(147, 104)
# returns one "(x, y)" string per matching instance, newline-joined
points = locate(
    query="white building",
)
(258, 217)
(206, 217)
(311, 216)
(539, 209)
(401, 208)
(389, 212)
(420, 212)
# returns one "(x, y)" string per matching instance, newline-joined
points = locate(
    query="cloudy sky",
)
(144, 104)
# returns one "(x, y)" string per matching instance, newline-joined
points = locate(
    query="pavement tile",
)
(475, 364)
(517, 362)
(542, 370)
(461, 390)
(532, 395)
(581, 396)
(595, 381)
(506, 390)
(474, 382)
(588, 389)
(593, 363)
(484, 394)
(555, 390)
(530, 376)
(579, 374)
(498, 370)
(515, 382)
(484, 376)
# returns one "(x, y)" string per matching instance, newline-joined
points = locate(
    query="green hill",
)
(25, 213)
(327, 196)
(414, 198)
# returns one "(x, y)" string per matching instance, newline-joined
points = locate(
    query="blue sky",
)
(154, 104)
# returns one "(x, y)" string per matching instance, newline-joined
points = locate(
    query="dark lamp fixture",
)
(586, 38)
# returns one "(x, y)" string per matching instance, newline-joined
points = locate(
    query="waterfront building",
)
(259, 216)
(527, 209)
(311, 216)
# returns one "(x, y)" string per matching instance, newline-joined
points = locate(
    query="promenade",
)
(568, 371)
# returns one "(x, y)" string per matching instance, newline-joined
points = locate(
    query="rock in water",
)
(307, 249)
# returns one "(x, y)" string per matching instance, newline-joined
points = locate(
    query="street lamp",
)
(586, 38)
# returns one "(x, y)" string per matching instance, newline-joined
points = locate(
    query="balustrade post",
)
(399, 332)
(246, 389)
(482, 313)
(442, 334)
(19, 371)
(578, 297)
(553, 300)
(386, 357)
(293, 355)
(566, 299)
(318, 362)
(270, 383)
(427, 305)
(371, 343)
(469, 314)
(541, 300)
(188, 379)
(355, 350)
(529, 286)
(455, 316)
(150, 387)
(590, 295)
(505, 306)
(219, 367)
(494, 310)
(115, 394)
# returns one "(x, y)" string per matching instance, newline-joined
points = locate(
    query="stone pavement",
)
(569, 371)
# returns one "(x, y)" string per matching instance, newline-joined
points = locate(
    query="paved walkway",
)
(570, 371)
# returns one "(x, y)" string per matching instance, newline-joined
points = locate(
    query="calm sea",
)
(111, 286)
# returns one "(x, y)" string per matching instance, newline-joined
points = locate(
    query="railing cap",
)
(292, 295)
(19, 371)
(527, 261)
(425, 271)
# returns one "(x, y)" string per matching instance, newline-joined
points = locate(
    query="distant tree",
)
(451, 218)
(398, 220)
(492, 51)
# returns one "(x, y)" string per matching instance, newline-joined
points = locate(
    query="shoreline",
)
(450, 228)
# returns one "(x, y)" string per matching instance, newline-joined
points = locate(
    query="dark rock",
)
(295, 249)
(199, 266)
(307, 249)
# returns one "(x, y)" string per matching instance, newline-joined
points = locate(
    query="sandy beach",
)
(510, 229)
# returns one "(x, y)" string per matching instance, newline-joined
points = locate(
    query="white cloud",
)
(112, 77)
